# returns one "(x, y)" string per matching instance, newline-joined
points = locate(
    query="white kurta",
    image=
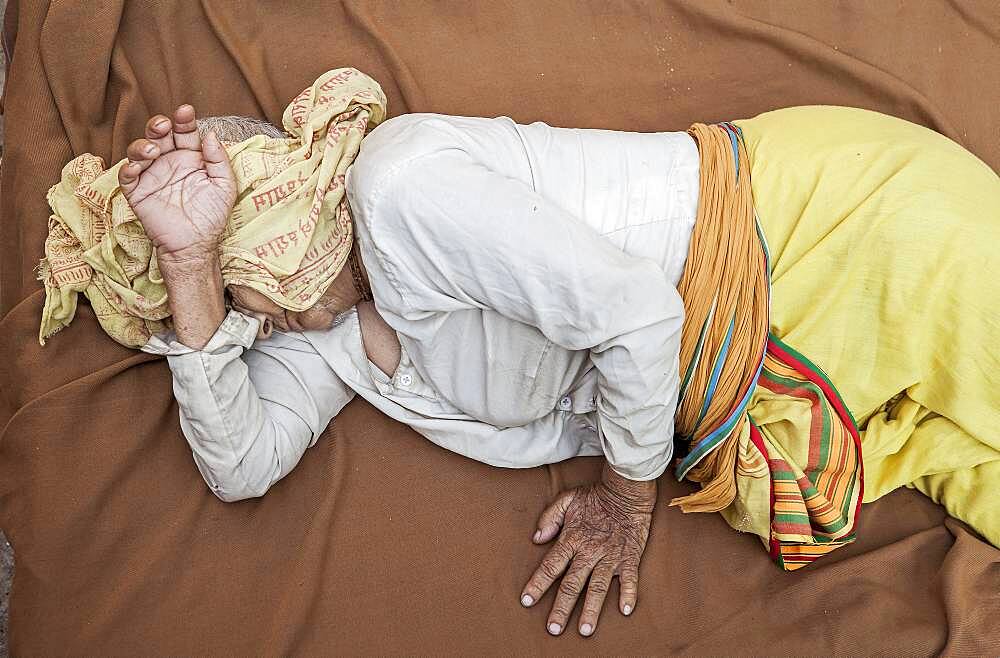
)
(529, 273)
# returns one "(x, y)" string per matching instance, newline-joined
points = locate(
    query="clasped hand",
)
(604, 528)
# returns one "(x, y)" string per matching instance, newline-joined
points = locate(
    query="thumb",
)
(216, 159)
(552, 517)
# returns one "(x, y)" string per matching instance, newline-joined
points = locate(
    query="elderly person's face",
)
(322, 315)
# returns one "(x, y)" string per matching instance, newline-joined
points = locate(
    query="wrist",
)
(639, 495)
(191, 270)
(197, 257)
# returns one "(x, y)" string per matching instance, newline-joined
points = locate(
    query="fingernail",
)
(627, 609)
(149, 148)
(586, 629)
(526, 600)
(161, 124)
(538, 535)
(554, 628)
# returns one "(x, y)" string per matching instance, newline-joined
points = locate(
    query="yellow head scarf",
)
(288, 236)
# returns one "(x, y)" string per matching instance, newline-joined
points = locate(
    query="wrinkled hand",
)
(181, 188)
(605, 526)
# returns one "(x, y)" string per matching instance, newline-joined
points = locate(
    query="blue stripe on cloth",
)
(696, 357)
(713, 440)
(731, 131)
(713, 381)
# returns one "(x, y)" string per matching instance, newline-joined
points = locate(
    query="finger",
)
(597, 590)
(552, 517)
(142, 150)
(128, 176)
(569, 591)
(186, 128)
(215, 157)
(159, 130)
(141, 153)
(550, 568)
(629, 581)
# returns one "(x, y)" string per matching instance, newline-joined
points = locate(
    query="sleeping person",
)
(734, 301)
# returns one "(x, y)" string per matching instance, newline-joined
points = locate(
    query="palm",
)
(181, 188)
(179, 204)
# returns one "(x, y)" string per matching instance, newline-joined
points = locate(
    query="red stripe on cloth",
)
(835, 401)
(758, 441)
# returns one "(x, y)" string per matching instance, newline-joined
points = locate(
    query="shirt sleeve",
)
(447, 230)
(250, 410)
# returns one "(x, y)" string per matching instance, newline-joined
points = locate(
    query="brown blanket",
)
(379, 541)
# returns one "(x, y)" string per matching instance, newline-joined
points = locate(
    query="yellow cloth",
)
(883, 238)
(288, 236)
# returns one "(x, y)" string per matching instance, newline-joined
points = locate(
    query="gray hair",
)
(234, 128)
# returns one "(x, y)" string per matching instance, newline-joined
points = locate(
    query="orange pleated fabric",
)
(725, 293)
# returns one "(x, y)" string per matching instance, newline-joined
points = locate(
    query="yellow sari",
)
(883, 238)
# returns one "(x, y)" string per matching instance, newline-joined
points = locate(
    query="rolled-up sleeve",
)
(250, 410)
(448, 231)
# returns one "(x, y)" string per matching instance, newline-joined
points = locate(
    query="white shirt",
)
(529, 273)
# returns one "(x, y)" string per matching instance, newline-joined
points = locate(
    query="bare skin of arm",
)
(381, 341)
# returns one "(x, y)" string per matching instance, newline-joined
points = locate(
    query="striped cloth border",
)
(814, 506)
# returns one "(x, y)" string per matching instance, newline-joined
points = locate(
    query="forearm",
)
(243, 439)
(248, 414)
(241, 444)
(195, 290)
(638, 386)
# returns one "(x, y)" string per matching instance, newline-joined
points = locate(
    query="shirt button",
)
(405, 380)
(565, 403)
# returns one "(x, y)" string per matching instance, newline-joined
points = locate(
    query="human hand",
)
(605, 526)
(180, 187)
